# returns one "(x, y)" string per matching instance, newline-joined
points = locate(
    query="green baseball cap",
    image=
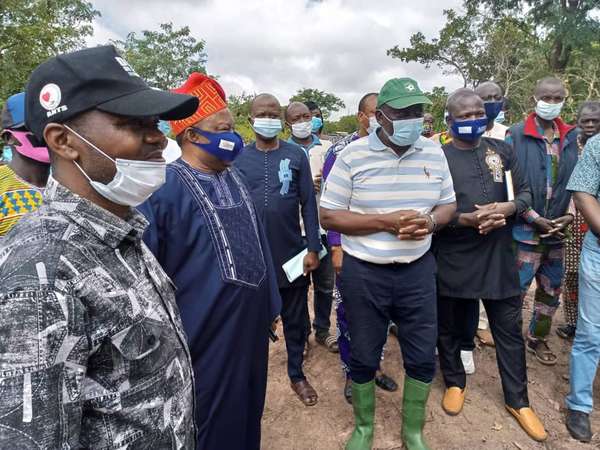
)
(400, 93)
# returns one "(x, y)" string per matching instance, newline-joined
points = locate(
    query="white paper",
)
(294, 268)
(510, 191)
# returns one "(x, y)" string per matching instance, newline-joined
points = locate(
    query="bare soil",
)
(483, 424)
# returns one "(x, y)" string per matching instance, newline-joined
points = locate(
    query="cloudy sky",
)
(280, 46)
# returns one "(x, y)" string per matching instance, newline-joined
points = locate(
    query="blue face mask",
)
(492, 109)
(317, 123)
(469, 130)
(7, 153)
(225, 146)
(406, 132)
(501, 117)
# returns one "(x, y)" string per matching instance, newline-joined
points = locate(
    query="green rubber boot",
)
(413, 413)
(363, 403)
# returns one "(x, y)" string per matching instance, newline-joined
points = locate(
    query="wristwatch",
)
(433, 222)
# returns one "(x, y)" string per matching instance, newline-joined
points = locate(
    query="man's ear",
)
(194, 137)
(60, 141)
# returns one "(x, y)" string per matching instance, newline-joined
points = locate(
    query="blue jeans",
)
(586, 348)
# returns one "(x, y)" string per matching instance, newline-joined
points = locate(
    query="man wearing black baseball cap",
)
(92, 343)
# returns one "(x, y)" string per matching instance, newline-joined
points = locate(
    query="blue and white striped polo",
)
(370, 178)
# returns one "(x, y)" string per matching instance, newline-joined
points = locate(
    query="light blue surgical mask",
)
(406, 132)
(265, 127)
(500, 118)
(7, 153)
(317, 123)
(548, 111)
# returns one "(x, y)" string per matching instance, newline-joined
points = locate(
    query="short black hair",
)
(457, 96)
(363, 100)
(593, 105)
(312, 105)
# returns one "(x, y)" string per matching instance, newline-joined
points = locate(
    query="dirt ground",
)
(483, 424)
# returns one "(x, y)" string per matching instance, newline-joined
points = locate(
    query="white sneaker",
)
(468, 362)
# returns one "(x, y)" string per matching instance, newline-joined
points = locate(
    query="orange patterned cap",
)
(212, 99)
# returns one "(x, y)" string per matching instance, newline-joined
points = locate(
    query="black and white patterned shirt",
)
(92, 350)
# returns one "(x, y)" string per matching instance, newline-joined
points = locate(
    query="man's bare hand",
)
(337, 256)
(416, 229)
(317, 182)
(311, 262)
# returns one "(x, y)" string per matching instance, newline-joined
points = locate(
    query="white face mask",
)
(302, 130)
(373, 124)
(134, 182)
(548, 111)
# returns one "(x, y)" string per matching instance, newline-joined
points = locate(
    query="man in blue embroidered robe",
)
(205, 233)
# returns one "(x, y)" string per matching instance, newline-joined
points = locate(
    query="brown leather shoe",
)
(453, 401)
(485, 337)
(530, 423)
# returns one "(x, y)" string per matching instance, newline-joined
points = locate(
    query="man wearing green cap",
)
(386, 194)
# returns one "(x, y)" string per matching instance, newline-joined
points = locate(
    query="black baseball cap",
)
(96, 78)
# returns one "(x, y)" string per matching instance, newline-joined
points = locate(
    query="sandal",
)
(566, 332)
(328, 341)
(542, 352)
(305, 392)
(386, 383)
(348, 391)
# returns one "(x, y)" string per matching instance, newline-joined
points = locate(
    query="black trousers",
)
(506, 322)
(373, 295)
(323, 279)
(294, 317)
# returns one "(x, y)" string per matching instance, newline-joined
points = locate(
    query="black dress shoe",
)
(348, 391)
(578, 424)
(386, 383)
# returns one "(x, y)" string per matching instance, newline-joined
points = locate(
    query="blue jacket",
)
(530, 148)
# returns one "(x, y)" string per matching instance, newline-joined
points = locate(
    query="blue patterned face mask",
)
(469, 130)
(225, 146)
(285, 176)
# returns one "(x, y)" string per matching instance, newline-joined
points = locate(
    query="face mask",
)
(469, 130)
(268, 128)
(317, 123)
(427, 129)
(7, 153)
(225, 146)
(406, 132)
(501, 117)
(492, 109)
(133, 183)
(373, 124)
(548, 111)
(302, 130)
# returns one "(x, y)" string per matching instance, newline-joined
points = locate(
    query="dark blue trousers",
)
(373, 295)
(294, 317)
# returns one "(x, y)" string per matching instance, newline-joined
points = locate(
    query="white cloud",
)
(280, 46)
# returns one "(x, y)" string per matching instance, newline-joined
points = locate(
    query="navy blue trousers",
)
(373, 295)
(294, 317)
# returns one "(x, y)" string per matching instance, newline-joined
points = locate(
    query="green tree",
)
(329, 103)
(31, 31)
(166, 57)
(345, 124)
(239, 105)
(438, 97)
(563, 26)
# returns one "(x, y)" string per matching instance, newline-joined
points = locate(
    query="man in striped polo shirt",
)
(386, 194)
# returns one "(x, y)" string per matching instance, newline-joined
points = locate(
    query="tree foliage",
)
(329, 103)
(345, 124)
(166, 57)
(515, 43)
(31, 31)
